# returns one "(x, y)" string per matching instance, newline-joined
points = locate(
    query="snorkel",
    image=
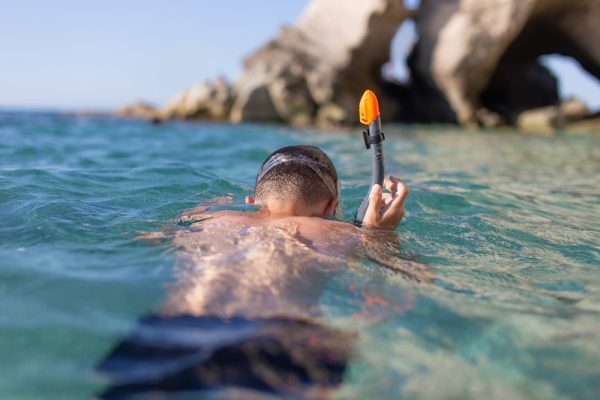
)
(368, 112)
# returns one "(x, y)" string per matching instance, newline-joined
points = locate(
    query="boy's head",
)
(302, 173)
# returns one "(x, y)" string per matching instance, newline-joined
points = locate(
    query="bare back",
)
(235, 263)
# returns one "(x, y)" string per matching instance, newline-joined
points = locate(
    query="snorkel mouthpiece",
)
(368, 112)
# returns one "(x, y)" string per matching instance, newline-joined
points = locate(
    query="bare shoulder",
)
(233, 217)
(313, 228)
(327, 225)
(319, 229)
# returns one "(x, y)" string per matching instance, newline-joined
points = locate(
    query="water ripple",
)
(507, 223)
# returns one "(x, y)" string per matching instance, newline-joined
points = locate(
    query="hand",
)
(386, 210)
(199, 211)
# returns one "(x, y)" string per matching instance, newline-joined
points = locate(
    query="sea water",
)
(509, 225)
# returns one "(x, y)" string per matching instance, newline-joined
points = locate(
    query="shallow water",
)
(509, 224)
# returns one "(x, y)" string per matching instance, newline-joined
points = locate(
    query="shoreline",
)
(590, 125)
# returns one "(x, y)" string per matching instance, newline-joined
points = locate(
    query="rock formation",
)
(484, 53)
(475, 62)
(548, 119)
(205, 100)
(320, 67)
(140, 110)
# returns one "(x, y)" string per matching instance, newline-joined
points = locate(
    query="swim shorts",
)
(169, 354)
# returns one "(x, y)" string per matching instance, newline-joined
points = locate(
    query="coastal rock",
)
(476, 62)
(141, 110)
(485, 53)
(539, 120)
(569, 113)
(331, 114)
(205, 100)
(327, 59)
(258, 105)
(589, 124)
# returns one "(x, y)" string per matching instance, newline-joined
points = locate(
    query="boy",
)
(242, 313)
(296, 189)
(301, 181)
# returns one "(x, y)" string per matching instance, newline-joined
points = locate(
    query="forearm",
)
(199, 212)
(383, 247)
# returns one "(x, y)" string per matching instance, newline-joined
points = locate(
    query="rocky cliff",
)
(205, 100)
(475, 62)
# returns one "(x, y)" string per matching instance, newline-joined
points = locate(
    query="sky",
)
(68, 54)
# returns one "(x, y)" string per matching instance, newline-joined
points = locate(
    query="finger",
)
(395, 179)
(375, 198)
(402, 190)
(391, 183)
(401, 194)
(387, 198)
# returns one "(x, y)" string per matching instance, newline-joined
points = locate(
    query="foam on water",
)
(508, 224)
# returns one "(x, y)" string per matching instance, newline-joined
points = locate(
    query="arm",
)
(200, 211)
(383, 248)
(380, 242)
(197, 213)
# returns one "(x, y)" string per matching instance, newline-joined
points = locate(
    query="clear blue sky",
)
(80, 54)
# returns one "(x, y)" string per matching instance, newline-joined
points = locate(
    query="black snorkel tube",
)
(369, 115)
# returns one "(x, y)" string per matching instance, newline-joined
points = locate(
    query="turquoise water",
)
(508, 224)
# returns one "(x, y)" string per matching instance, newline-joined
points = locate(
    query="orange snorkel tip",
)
(368, 109)
(368, 112)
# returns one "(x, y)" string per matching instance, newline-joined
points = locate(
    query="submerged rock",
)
(326, 60)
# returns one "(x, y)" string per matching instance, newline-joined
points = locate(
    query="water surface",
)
(509, 225)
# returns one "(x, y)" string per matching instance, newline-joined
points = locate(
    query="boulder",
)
(331, 114)
(540, 120)
(485, 53)
(258, 105)
(569, 113)
(334, 52)
(205, 100)
(590, 124)
(573, 110)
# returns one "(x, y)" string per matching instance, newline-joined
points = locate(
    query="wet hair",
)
(300, 172)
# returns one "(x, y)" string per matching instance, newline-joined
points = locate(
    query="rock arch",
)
(484, 53)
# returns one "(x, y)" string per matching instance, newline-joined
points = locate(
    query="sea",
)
(508, 224)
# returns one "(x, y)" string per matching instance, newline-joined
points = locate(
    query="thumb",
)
(372, 213)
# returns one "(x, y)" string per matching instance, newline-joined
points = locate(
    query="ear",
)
(331, 209)
(250, 200)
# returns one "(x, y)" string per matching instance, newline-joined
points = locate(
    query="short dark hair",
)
(296, 179)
